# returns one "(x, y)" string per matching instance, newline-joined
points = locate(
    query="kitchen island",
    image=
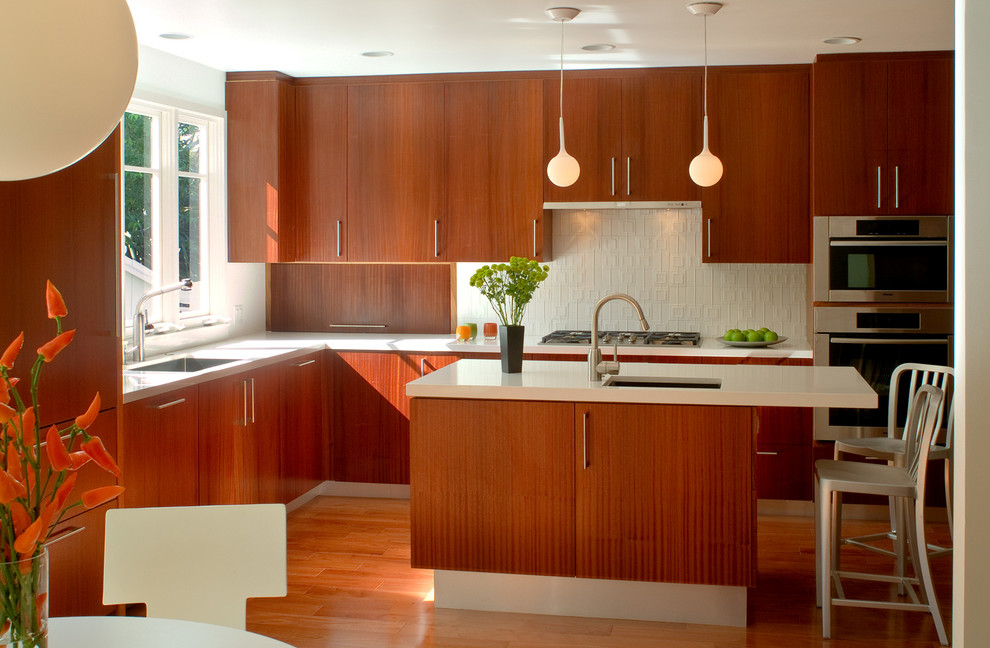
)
(543, 492)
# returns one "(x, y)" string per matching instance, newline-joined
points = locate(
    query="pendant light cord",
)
(706, 67)
(562, 69)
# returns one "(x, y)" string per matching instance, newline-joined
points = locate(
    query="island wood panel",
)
(661, 134)
(493, 486)
(592, 135)
(759, 127)
(321, 183)
(494, 175)
(784, 471)
(65, 227)
(75, 564)
(370, 413)
(395, 172)
(665, 493)
(159, 450)
(303, 439)
(366, 298)
(260, 170)
(920, 135)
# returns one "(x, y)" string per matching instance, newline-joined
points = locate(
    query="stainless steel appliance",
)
(874, 339)
(623, 338)
(883, 258)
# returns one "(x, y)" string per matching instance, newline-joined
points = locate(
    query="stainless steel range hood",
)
(626, 204)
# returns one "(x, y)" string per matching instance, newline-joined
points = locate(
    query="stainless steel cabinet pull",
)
(886, 243)
(169, 404)
(436, 238)
(303, 364)
(252, 401)
(897, 187)
(878, 187)
(423, 364)
(613, 176)
(338, 238)
(584, 442)
(357, 325)
(64, 534)
(244, 384)
(770, 454)
(884, 341)
(628, 182)
(534, 237)
(709, 238)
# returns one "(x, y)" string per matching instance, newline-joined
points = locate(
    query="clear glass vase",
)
(24, 602)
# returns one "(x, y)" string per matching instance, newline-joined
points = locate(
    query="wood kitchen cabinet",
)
(883, 134)
(239, 460)
(303, 441)
(759, 127)
(493, 173)
(395, 192)
(370, 413)
(75, 564)
(159, 450)
(633, 135)
(260, 169)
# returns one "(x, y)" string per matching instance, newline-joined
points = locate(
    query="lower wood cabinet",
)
(75, 555)
(303, 444)
(159, 450)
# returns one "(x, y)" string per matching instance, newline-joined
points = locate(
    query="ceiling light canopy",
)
(599, 47)
(563, 170)
(842, 40)
(378, 54)
(705, 169)
(175, 36)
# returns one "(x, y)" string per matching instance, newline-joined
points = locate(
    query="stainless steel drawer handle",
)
(244, 384)
(887, 243)
(436, 238)
(338, 238)
(357, 325)
(628, 181)
(303, 364)
(897, 187)
(878, 187)
(169, 404)
(584, 442)
(938, 341)
(64, 534)
(534, 237)
(613, 176)
(769, 454)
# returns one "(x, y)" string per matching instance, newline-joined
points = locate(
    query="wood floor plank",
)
(351, 586)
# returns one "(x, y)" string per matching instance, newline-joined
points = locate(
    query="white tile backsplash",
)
(655, 256)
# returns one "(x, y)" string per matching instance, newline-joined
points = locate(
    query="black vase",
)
(510, 341)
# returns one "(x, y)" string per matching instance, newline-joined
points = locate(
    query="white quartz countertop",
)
(754, 385)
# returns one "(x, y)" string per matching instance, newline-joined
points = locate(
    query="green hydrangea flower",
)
(510, 286)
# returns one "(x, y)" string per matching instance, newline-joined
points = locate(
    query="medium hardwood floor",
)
(351, 586)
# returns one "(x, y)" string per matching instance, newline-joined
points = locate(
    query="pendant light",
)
(563, 170)
(705, 169)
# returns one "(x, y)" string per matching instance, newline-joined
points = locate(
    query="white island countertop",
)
(747, 385)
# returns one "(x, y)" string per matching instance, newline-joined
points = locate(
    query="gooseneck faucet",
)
(596, 367)
(140, 319)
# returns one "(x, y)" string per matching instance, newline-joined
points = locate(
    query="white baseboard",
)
(360, 489)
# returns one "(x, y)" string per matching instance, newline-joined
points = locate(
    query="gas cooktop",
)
(624, 338)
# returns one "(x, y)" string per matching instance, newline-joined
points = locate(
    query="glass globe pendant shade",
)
(68, 70)
(563, 170)
(705, 169)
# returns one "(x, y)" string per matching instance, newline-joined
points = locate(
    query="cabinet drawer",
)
(784, 472)
(75, 551)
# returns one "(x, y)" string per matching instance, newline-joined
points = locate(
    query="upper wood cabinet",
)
(260, 169)
(493, 174)
(395, 172)
(759, 127)
(634, 136)
(883, 134)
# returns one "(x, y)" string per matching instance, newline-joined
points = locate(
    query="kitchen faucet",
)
(596, 367)
(140, 319)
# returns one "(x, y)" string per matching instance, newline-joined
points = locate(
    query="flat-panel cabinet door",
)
(664, 493)
(159, 450)
(75, 563)
(303, 444)
(395, 172)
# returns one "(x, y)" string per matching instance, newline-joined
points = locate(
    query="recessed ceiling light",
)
(175, 36)
(378, 54)
(843, 40)
(599, 47)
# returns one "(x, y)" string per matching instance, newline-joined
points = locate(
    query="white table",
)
(141, 632)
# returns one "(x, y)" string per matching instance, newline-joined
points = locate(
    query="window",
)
(172, 190)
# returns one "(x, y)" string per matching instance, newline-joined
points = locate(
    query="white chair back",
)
(198, 563)
(923, 419)
(917, 375)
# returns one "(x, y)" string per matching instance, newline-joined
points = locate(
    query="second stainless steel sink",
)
(662, 382)
(185, 364)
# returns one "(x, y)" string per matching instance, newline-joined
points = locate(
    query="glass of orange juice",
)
(463, 333)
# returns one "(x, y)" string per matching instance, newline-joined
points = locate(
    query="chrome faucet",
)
(141, 319)
(596, 367)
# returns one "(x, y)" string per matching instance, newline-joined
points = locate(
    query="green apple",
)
(754, 336)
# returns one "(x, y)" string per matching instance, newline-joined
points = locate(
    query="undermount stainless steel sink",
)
(662, 382)
(185, 364)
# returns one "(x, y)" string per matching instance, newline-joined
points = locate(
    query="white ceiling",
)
(326, 37)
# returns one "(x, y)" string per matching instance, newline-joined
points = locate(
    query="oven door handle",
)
(847, 340)
(886, 243)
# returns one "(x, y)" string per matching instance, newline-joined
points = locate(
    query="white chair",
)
(904, 483)
(198, 563)
(890, 448)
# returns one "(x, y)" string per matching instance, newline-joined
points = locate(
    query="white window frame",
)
(165, 208)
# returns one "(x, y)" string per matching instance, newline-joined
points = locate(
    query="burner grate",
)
(624, 338)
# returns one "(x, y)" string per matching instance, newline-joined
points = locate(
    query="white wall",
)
(971, 568)
(655, 256)
(171, 80)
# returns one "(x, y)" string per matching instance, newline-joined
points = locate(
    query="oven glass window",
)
(875, 361)
(889, 267)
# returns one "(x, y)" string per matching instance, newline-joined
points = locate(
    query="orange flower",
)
(20, 517)
(54, 301)
(7, 359)
(10, 488)
(27, 429)
(58, 456)
(4, 392)
(79, 459)
(14, 462)
(94, 448)
(25, 543)
(62, 494)
(96, 496)
(52, 347)
(85, 420)
(6, 413)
